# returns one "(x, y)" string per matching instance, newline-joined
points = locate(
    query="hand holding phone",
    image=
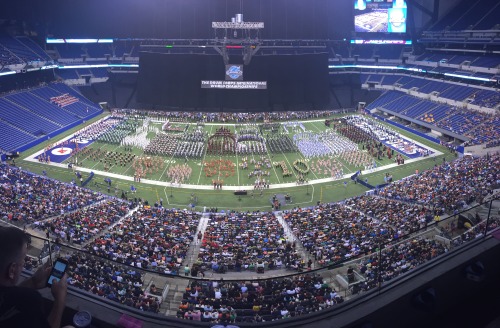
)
(58, 271)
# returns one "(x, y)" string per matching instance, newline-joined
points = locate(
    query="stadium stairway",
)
(484, 209)
(177, 287)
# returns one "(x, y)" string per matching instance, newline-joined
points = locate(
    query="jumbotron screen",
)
(383, 16)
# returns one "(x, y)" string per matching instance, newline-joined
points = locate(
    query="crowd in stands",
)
(158, 239)
(492, 144)
(27, 197)
(477, 230)
(450, 186)
(245, 301)
(397, 260)
(470, 120)
(151, 238)
(335, 232)
(84, 224)
(405, 218)
(109, 280)
(224, 117)
(7, 57)
(489, 130)
(488, 102)
(246, 242)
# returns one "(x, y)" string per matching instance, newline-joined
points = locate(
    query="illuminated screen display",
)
(382, 16)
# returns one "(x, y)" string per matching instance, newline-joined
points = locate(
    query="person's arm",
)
(59, 290)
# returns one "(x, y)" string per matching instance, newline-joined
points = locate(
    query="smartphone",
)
(58, 271)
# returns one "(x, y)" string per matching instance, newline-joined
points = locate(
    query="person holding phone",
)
(21, 304)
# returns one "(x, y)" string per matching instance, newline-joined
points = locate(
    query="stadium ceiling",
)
(431, 10)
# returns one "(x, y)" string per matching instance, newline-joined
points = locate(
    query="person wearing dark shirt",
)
(21, 304)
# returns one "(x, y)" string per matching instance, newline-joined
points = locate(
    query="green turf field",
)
(302, 195)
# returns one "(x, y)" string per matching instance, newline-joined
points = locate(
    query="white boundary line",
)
(32, 158)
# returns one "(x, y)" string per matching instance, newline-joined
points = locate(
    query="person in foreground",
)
(20, 304)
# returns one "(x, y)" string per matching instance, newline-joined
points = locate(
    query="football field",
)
(306, 179)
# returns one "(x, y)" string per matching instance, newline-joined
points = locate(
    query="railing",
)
(327, 287)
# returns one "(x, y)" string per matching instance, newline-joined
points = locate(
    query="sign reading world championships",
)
(234, 85)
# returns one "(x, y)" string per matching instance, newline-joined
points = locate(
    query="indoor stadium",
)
(250, 163)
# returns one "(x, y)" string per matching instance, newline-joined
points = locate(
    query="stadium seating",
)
(419, 109)
(486, 61)
(434, 86)
(471, 124)
(457, 92)
(415, 83)
(385, 98)
(7, 57)
(31, 114)
(70, 50)
(45, 109)
(390, 79)
(403, 103)
(79, 108)
(96, 50)
(437, 113)
(67, 74)
(99, 72)
(26, 120)
(29, 43)
(358, 228)
(20, 50)
(12, 138)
